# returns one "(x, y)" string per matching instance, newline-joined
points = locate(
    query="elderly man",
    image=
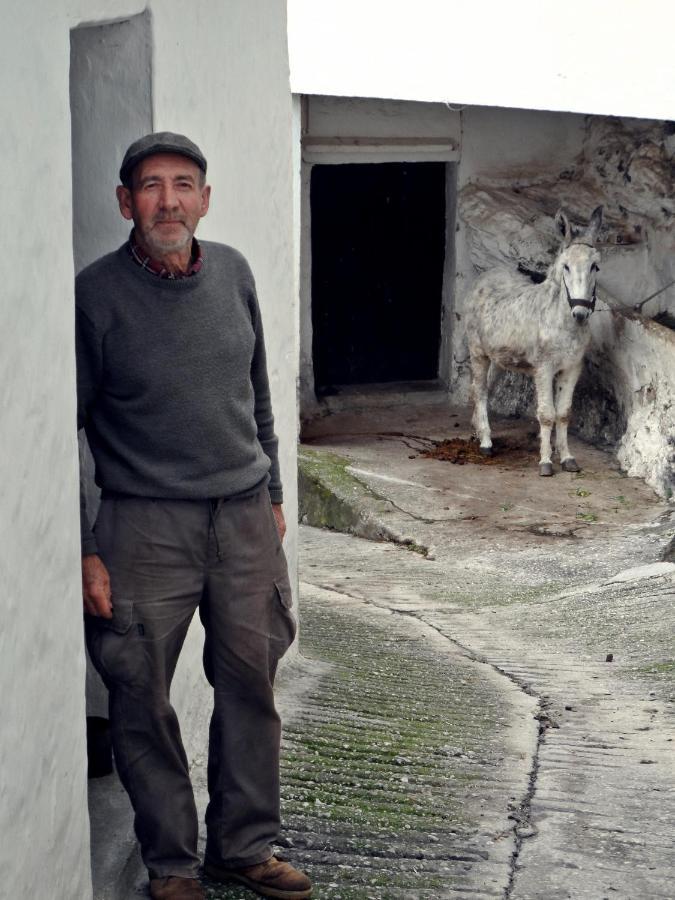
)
(174, 397)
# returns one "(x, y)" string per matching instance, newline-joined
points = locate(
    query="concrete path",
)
(557, 585)
(484, 701)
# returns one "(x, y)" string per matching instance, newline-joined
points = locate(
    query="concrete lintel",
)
(388, 149)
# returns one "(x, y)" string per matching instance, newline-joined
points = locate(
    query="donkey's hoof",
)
(570, 465)
(546, 469)
(486, 451)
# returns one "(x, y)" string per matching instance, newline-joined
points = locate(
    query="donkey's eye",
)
(595, 267)
(566, 267)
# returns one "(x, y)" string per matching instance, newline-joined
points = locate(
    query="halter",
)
(587, 304)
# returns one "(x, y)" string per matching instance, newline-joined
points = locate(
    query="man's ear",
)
(124, 200)
(206, 199)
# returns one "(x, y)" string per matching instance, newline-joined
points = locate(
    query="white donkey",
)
(541, 329)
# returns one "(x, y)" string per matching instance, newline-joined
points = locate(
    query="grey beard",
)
(159, 247)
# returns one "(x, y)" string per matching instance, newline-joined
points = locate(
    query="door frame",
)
(344, 150)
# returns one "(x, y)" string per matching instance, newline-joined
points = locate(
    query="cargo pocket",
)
(111, 645)
(288, 627)
(122, 617)
(284, 594)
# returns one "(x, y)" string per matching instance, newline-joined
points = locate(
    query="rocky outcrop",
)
(631, 162)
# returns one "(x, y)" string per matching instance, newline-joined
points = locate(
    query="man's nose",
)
(168, 197)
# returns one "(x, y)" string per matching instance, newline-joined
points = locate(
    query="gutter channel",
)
(521, 814)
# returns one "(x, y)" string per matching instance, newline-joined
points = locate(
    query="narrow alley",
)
(483, 704)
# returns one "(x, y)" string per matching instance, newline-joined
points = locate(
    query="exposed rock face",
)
(631, 162)
(507, 227)
(625, 166)
(626, 396)
(639, 369)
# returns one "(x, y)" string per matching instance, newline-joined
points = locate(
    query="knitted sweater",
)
(172, 380)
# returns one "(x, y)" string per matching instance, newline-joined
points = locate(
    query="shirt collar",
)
(141, 258)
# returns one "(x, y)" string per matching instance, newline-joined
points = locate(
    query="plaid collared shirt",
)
(152, 265)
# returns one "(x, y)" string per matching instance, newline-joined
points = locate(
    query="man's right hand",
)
(96, 587)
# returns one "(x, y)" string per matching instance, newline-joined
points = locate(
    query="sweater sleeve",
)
(89, 365)
(263, 403)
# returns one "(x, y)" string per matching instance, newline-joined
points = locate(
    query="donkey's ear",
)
(594, 224)
(562, 223)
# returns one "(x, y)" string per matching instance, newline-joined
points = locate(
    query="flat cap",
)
(159, 142)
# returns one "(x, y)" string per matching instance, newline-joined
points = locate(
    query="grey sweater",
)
(172, 380)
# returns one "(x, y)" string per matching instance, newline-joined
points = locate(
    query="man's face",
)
(166, 201)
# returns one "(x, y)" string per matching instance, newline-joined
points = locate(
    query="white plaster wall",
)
(449, 275)
(307, 395)
(298, 238)
(111, 106)
(498, 142)
(44, 850)
(534, 54)
(379, 118)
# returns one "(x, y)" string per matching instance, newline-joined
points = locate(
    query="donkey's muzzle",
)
(581, 308)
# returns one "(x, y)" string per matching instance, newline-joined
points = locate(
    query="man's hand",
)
(278, 511)
(96, 587)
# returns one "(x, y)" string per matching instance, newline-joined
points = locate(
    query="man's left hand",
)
(278, 511)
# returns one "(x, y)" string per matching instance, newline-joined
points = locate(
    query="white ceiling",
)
(588, 56)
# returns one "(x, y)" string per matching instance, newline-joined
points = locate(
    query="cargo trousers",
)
(166, 559)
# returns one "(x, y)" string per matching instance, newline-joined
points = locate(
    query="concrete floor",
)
(544, 581)
(483, 704)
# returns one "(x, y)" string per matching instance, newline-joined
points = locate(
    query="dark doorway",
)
(378, 247)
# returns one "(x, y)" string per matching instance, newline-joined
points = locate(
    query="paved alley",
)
(483, 705)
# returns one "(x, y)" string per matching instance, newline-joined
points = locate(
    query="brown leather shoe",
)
(272, 878)
(176, 888)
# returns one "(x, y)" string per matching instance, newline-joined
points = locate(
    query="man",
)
(174, 397)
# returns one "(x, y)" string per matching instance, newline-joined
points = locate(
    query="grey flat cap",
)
(159, 142)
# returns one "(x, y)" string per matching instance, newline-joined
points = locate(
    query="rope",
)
(638, 306)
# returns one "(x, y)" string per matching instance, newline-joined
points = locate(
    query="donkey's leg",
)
(543, 380)
(565, 390)
(480, 366)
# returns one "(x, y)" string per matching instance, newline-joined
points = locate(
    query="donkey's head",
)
(577, 266)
